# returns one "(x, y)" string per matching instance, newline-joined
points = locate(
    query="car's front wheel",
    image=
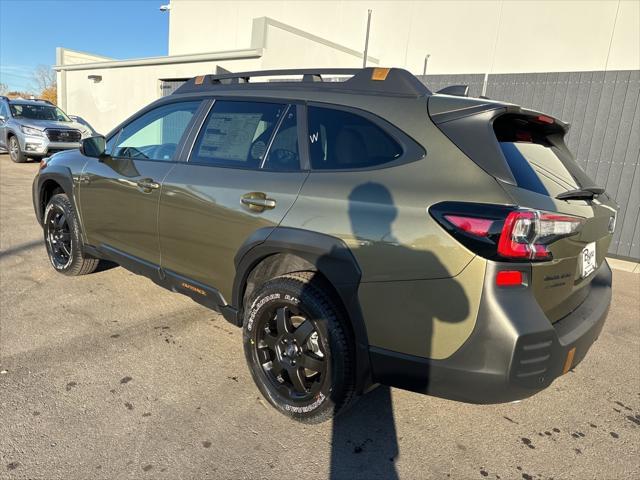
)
(299, 348)
(63, 240)
(15, 152)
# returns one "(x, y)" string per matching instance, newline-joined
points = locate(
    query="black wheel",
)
(14, 150)
(299, 348)
(63, 240)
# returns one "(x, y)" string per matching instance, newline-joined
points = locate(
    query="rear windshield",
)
(535, 162)
(538, 168)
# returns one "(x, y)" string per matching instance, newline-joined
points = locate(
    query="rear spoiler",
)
(469, 123)
(456, 107)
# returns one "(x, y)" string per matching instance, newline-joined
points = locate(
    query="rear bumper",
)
(513, 352)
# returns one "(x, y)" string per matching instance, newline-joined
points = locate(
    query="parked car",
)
(37, 129)
(360, 232)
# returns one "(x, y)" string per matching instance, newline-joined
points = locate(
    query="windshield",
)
(38, 112)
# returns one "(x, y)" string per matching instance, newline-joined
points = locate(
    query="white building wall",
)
(125, 87)
(124, 91)
(484, 36)
(492, 36)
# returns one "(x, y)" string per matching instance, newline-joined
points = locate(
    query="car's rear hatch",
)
(526, 153)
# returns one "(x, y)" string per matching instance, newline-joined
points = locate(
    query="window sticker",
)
(229, 136)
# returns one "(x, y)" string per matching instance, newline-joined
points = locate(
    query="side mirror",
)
(93, 147)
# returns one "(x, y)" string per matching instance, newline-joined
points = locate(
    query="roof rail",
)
(4, 97)
(383, 81)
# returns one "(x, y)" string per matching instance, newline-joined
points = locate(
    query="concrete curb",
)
(624, 265)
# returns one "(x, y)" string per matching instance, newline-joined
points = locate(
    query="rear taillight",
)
(527, 233)
(475, 226)
(505, 232)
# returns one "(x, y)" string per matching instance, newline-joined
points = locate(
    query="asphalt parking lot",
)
(110, 376)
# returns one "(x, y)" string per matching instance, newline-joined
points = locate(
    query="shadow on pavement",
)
(23, 247)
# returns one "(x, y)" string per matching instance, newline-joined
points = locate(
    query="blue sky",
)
(30, 31)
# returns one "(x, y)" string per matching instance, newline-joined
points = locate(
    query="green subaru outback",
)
(361, 232)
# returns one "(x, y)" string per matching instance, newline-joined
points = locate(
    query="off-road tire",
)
(60, 209)
(310, 294)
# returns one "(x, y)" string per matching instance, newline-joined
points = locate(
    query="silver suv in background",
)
(37, 128)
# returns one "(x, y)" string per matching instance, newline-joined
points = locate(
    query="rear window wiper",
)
(585, 193)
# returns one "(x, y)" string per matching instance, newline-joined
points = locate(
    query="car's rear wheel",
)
(63, 240)
(15, 152)
(299, 348)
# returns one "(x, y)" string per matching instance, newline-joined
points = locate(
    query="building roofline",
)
(259, 39)
(166, 60)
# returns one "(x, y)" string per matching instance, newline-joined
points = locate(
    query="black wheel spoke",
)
(58, 238)
(303, 331)
(283, 320)
(276, 367)
(270, 340)
(297, 377)
(311, 363)
(264, 355)
(61, 221)
(287, 350)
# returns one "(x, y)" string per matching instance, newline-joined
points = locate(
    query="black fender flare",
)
(330, 256)
(59, 174)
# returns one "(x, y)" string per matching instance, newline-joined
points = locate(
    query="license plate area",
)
(588, 260)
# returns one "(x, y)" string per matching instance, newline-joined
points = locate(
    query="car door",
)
(243, 174)
(119, 193)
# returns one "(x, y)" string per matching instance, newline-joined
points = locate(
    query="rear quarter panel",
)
(414, 295)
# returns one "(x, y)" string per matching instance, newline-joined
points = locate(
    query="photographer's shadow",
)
(364, 439)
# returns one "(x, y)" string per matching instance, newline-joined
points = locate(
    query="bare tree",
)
(3, 88)
(44, 78)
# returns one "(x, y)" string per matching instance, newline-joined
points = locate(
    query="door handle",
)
(257, 201)
(148, 184)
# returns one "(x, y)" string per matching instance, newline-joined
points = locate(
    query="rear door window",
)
(237, 133)
(343, 140)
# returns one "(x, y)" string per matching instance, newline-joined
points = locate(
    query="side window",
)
(237, 134)
(343, 140)
(156, 134)
(283, 152)
(4, 111)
